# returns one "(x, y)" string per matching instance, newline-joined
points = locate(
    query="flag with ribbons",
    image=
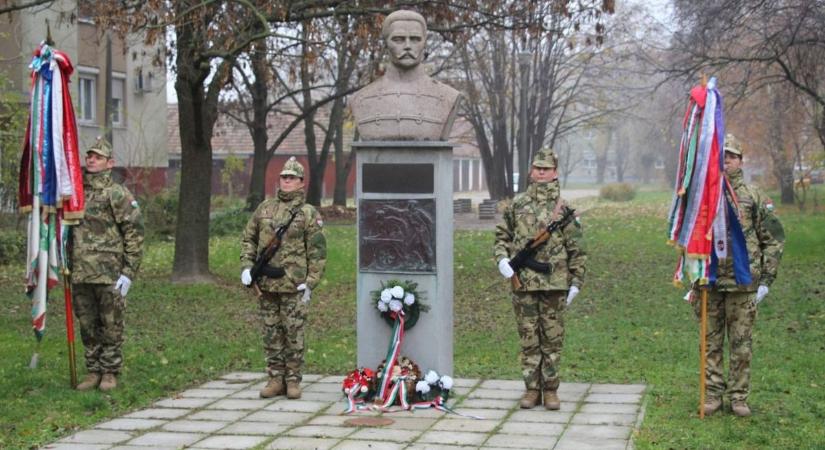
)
(50, 180)
(704, 221)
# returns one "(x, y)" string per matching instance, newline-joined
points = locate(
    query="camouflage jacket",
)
(108, 242)
(303, 252)
(529, 213)
(764, 237)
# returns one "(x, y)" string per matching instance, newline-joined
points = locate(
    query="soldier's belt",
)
(273, 272)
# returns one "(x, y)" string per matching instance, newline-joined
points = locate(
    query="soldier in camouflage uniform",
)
(106, 249)
(539, 304)
(284, 299)
(731, 307)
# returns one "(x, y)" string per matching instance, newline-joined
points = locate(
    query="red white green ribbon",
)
(393, 351)
(439, 404)
(353, 402)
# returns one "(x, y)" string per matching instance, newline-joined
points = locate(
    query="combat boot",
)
(108, 382)
(293, 389)
(740, 409)
(551, 400)
(530, 398)
(90, 382)
(273, 388)
(712, 405)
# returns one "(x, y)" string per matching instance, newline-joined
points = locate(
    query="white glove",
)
(505, 269)
(760, 294)
(688, 297)
(123, 284)
(307, 292)
(574, 291)
(246, 277)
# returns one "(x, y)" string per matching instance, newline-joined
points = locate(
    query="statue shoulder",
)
(445, 90)
(368, 90)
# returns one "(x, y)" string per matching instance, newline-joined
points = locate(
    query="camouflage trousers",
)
(100, 309)
(541, 330)
(731, 314)
(283, 317)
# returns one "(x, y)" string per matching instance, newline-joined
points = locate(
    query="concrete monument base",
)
(404, 201)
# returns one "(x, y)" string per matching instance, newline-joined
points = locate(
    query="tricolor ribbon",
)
(354, 403)
(393, 351)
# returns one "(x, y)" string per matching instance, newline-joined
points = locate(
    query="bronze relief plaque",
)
(397, 235)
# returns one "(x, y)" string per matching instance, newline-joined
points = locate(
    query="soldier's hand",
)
(688, 297)
(246, 277)
(307, 292)
(574, 291)
(761, 293)
(122, 285)
(505, 269)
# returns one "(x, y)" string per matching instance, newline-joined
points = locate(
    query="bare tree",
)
(10, 6)
(527, 76)
(764, 43)
(208, 38)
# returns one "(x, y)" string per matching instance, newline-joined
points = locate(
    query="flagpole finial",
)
(49, 40)
(703, 80)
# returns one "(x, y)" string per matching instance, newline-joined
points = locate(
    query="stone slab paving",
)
(228, 414)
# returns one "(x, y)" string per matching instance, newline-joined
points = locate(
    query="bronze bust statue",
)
(405, 104)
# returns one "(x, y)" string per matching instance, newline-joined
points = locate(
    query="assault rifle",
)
(261, 266)
(524, 258)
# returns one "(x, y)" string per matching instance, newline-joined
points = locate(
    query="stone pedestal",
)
(404, 192)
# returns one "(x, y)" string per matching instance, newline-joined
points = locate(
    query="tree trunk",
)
(343, 163)
(197, 110)
(601, 166)
(191, 263)
(601, 156)
(257, 179)
(782, 162)
(259, 91)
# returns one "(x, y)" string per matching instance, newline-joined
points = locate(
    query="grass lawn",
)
(629, 325)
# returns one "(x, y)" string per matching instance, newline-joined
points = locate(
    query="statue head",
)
(405, 35)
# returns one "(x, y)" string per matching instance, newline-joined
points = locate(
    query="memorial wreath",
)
(399, 298)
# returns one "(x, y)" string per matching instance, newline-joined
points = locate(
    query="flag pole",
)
(703, 327)
(703, 347)
(67, 296)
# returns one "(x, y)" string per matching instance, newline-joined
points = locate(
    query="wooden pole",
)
(703, 348)
(67, 296)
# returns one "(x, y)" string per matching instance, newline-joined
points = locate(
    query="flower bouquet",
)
(432, 386)
(405, 370)
(399, 297)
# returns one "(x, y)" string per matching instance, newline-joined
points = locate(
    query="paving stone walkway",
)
(228, 414)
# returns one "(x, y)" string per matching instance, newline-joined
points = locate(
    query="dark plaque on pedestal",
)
(397, 178)
(397, 235)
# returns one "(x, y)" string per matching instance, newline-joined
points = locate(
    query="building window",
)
(117, 100)
(87, 86)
